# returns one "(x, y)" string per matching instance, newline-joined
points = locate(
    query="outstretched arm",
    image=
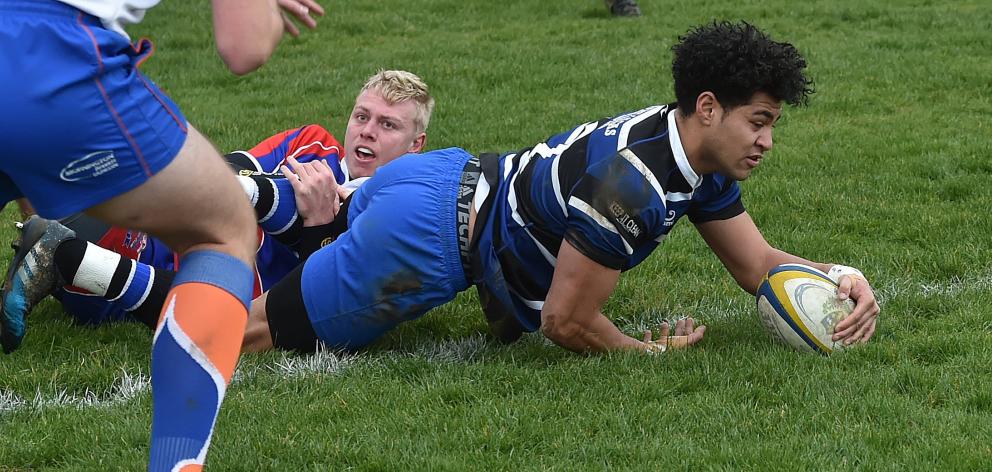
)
(572, 316)
(744, 251)
(747, 256)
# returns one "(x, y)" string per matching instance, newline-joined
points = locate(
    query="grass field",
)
(886, 170)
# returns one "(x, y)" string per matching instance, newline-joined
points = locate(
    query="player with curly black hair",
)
(734, 61)
(546, 232)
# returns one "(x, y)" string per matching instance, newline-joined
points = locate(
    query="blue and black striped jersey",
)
(612, 188)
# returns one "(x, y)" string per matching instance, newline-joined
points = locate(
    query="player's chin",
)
(741, 175)
(365, 168)
(744, 171)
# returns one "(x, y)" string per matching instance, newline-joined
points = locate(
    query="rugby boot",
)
(31, 276)
(623, 7)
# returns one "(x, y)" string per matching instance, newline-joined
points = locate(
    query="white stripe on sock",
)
(275, 203)
(127, 283)
(148, 289)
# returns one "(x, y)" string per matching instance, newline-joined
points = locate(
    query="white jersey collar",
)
(344, 168)
(679, 152)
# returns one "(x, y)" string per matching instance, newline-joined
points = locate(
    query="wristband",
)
(312, 238)
(838, 271)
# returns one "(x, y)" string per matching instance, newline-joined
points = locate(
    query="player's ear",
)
(707, 107)
(418, 143)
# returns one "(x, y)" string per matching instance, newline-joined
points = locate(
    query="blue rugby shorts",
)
(79, 124)
(399, 257)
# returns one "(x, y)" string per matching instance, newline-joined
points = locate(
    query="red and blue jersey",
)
(273, 260)
(305, 144)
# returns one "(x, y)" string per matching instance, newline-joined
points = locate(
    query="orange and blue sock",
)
(194, 354)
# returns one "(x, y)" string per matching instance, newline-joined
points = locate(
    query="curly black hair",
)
(734, 61)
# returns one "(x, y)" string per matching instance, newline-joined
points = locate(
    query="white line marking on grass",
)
(453, 350)
(9, 401)
(129, 386)
(703, 311)
(123, 389)
(949, 288)
(324, 361)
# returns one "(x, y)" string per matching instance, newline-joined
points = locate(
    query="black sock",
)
(291, 237)
(68, 256)
(266, 196)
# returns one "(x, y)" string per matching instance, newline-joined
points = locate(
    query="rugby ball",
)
(798, 305)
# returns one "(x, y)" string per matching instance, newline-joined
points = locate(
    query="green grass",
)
(887, 170)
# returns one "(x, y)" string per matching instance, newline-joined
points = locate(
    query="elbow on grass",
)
(558, 328)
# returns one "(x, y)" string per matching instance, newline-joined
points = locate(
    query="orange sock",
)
(194, 355)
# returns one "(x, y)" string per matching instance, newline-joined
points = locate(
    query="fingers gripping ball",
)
(798, 305)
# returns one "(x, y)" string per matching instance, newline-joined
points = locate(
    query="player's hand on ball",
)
(859, 326)
(686, 334)
(316, 191)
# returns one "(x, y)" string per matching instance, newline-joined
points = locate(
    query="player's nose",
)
(764, 140)
(368, 131)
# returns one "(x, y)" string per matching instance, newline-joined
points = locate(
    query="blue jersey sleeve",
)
(720, 199)
(614, 212)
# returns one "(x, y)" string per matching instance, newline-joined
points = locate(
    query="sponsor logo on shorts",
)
(92, 165)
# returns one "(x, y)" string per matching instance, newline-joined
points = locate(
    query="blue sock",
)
(194, 354)
(281, 212)
(137, 287)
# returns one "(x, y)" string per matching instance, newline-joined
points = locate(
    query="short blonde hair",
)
(397, 86)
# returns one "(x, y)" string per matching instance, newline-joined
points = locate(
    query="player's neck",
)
(690, 133)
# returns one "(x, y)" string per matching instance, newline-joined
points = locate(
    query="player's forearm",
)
(247, 32)
(597, 334)
(744, 251)
(749, 279)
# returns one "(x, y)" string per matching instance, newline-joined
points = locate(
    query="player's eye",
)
(388, 125)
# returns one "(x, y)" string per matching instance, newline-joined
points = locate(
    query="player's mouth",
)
(365, 154)
(752, 161)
